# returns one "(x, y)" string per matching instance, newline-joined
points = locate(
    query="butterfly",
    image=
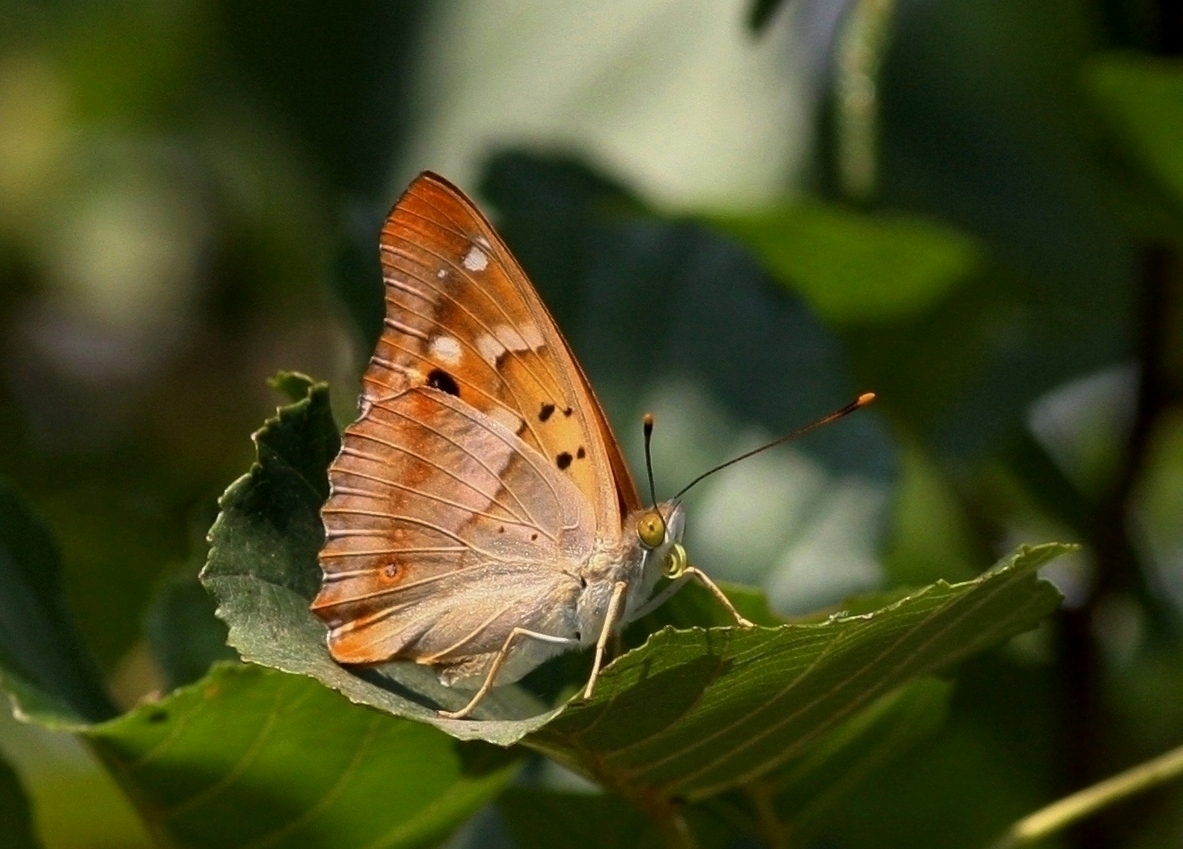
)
(481, 516)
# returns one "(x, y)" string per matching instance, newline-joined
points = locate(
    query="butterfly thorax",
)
(629, 560)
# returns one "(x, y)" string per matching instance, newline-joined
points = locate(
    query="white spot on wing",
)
(490, 348)
(442, 273)
(476, 260)
(533, 337)
(446, 349)
(508, 338)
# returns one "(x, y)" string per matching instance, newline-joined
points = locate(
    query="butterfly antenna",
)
(861, 401)
(647, 425)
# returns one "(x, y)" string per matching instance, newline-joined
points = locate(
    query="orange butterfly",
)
(481, 517)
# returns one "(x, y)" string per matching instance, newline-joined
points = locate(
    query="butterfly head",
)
(659, 530)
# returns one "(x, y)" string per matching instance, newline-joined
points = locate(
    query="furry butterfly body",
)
(481, 517)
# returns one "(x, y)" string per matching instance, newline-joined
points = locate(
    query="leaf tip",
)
(295, 385)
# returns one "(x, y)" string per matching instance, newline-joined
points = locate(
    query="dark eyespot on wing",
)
(568, 411)
(546, 412)
(580, 454)
(439, 379)
(563, 460)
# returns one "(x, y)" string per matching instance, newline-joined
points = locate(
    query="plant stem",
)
(774, 832)
(1068, 810)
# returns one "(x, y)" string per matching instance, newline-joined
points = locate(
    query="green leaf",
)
(292, 384)
(811, 787)
(17, 829)
(696, 712)
(247, 755)
(262, 569)
(1142, 99)
(47, 670)
(854, 266)
(253, 756)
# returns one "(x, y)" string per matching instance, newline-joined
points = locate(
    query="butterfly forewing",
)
(481, 467)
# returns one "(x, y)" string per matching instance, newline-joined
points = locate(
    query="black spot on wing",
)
(546, 412)
(563, 460)
(439, 379)
(580, 454)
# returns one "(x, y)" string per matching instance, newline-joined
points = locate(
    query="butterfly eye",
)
(675, 562)
(651, 529)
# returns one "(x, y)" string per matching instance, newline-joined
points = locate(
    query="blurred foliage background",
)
(740, 213)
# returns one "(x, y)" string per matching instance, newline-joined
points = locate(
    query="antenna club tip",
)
(865, 399)
(647, 421)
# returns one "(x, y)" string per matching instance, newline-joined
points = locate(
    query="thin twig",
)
(1090, 800)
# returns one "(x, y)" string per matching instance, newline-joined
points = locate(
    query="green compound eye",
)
(651, 529)
(675, 563)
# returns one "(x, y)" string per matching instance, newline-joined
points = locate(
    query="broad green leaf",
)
(45, 667)
(797, 795)
(812, 787)
(1142, 100)
(250, 756)
(695, 712)
(16, 831)
(262, 569)
(852, 266)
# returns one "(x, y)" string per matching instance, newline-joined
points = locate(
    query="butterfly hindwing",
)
(436, 510)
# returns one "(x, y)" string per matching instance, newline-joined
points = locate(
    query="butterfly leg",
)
(695, 572)
(606, 632)
(496, 665)
(679, 582)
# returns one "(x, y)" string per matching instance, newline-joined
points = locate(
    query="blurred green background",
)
(741, 214)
